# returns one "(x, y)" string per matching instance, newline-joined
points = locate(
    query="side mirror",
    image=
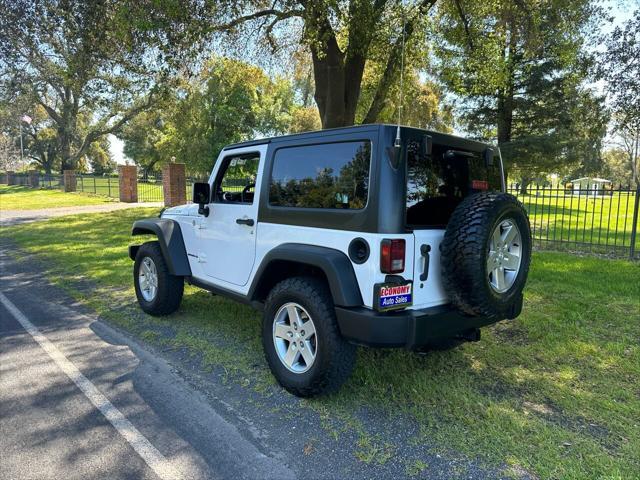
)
(202, 196)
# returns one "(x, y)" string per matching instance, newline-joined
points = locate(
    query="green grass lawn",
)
(555, 393)
(16, 197)
(581, 219)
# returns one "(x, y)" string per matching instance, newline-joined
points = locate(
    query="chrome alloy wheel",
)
(148, 279)
(505, 255)
(294, 336)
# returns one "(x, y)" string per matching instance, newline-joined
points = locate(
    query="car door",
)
(228, 234)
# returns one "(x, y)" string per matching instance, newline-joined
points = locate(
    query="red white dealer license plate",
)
(389, 296)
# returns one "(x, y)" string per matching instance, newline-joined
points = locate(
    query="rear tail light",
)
(392, 255)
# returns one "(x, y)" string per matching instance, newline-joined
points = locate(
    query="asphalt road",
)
(80, 400)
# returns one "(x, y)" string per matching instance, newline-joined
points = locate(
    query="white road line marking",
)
(150, 454)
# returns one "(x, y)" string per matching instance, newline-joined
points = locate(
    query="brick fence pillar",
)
(11, 178)
(70, 181)
(34, 179)
(174, 184)
(128, 182)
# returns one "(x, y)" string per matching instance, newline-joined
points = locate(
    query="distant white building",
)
(590, 186)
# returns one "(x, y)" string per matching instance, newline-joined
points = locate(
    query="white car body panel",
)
(227, 255)
(430, 292)
(226, 249)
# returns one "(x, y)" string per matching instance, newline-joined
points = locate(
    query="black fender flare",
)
(336, 266)
(171, 243)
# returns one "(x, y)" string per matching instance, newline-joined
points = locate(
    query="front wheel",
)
(158, 292)
(301, 340)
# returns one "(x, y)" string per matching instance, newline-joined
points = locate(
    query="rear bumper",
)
(410, 329)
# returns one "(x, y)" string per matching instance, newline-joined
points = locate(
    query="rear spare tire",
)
(485, 255)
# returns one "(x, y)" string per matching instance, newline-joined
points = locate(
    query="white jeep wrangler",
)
(367, 235)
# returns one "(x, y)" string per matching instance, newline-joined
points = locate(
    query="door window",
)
(236, 182)
(331, 175)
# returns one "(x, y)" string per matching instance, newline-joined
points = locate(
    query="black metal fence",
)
(51, 181)
(18, 179)
(107, 185)
(590, 219)
(150, 188)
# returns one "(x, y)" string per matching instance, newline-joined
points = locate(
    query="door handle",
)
(245, 221)
(424, 251)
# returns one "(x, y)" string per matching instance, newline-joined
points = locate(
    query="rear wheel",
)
(301, 340)
(158, 292)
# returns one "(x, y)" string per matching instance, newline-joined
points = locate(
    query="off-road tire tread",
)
(170, 287)
(338, 356)
(462, 249)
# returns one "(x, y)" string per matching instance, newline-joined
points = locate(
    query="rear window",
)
(437, 183)
(330, 175)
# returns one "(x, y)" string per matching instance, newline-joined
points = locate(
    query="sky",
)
(620, 10)
(115, 147)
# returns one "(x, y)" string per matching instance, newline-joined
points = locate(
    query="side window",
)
(236, 181)
(331, 175)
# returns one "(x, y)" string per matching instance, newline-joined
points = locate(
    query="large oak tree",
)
(340, 37)
(77, 59)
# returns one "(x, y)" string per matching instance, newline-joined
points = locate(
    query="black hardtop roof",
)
(438, 137)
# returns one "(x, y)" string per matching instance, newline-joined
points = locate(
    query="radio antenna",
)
(400, 95)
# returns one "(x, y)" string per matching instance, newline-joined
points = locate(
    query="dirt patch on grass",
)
(510, 332)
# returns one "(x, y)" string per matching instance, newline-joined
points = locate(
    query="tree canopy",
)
(182, 79)
(341, 38)
(79, 61)
(519, 70)
(621, 69)
(228, 101)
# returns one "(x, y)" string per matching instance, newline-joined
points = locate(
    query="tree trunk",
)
(67, 128)
(44, 161)
(64, 138)
(147, 169)
(338, 83)
(50, 158)
(328, 69)
(505, 104)
(338, 75)
(65, 153)
(505, 118)
(524, 184)
(634, 158)
(353, 71)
